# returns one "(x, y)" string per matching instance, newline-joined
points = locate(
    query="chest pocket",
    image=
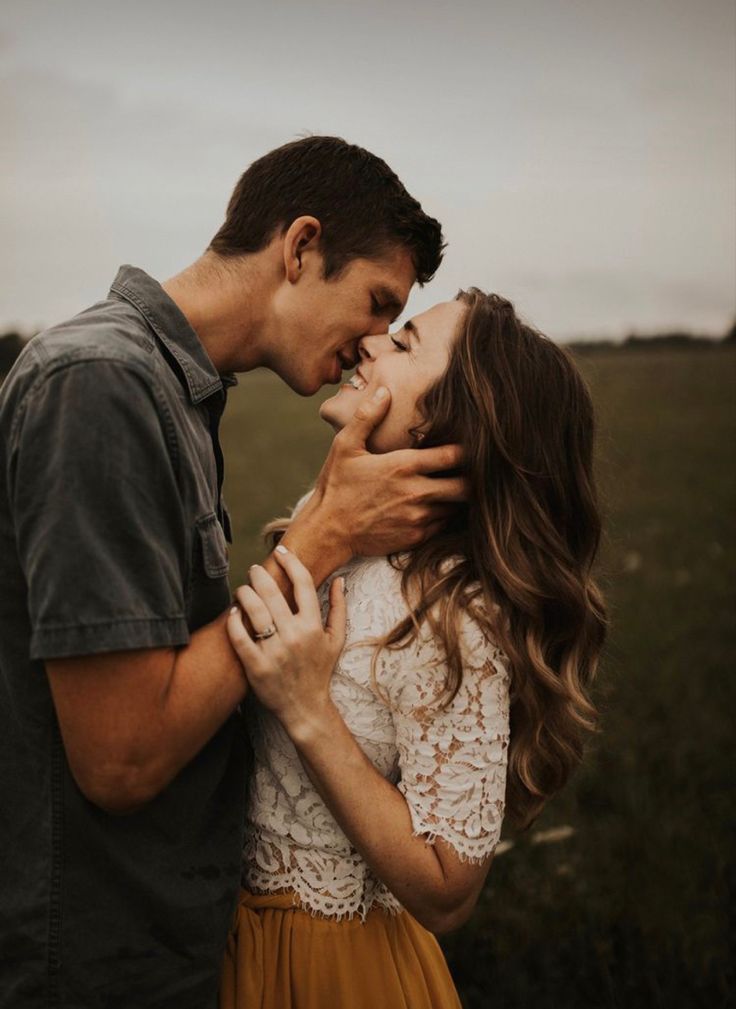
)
(212, 546)
(209, 592)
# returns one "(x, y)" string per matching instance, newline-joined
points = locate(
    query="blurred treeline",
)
(13, 341)
(11, 344)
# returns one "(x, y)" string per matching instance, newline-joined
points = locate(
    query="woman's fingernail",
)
(233, 610)
(341, 583)
(380, 393)
(280, 549)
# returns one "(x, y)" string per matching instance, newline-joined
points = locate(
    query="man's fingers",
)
(369, 414)
(449, 489)
(305, 594)
(436, 459)
(432, 529)
(440, 512)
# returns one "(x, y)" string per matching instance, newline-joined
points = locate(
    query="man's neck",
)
(225, 303)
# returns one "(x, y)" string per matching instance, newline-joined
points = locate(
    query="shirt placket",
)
(215, 408)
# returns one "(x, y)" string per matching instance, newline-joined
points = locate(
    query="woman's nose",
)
(366, 349)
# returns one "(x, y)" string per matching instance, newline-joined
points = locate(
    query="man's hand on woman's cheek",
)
(380, 504)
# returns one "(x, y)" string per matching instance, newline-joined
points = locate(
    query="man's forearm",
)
(206, 684)
(132, 720)
(207, 680)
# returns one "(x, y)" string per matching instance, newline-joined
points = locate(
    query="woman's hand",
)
(290, 669)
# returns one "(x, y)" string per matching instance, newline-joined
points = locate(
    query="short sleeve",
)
(453, 759)
(99, 524)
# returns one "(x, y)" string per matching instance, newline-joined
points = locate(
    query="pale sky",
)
(580, 155)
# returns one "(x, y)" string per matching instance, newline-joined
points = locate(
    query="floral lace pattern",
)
(449, 764)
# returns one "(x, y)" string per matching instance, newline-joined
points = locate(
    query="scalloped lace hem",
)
(321, 905)
(468, 851)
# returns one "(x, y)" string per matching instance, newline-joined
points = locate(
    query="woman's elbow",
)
(445, 921)
(445, 917)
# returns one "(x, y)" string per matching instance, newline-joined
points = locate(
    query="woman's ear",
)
(300, 241)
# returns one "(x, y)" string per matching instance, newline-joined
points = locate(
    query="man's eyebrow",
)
(411, 328)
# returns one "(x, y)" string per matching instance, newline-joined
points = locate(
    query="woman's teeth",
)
(357, 382)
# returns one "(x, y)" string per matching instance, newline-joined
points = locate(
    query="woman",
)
(379, 790)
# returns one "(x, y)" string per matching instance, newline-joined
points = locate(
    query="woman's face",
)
(407, 362)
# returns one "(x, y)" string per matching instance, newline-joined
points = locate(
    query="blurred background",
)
(581, 156)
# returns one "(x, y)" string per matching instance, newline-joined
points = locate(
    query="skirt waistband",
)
(276, 901)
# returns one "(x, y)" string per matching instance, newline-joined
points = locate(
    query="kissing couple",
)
(274, 798)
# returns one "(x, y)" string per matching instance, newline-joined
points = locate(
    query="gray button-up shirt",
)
(112, 536)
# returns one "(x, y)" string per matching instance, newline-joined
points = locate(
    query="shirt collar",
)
(173, 330)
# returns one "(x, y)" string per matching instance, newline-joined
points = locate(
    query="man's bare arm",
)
(130, 721)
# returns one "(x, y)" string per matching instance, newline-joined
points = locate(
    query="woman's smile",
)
(407, 363)
(357, 381)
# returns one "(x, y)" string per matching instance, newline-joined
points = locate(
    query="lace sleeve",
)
(452, 759)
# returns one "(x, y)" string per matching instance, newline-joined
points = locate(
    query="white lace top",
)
(449, 764)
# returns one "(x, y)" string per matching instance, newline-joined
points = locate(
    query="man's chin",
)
(301, 384)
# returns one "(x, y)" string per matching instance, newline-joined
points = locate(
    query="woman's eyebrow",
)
(411, 328)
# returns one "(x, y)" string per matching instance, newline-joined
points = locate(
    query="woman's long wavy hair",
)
(523, 547)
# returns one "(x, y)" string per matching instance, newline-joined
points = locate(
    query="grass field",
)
(630, 908)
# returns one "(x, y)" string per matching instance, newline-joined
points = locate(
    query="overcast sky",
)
(581, 155)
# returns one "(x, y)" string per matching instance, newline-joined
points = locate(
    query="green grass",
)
(632, 909)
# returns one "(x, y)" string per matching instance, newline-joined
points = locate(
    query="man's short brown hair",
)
(363, 207)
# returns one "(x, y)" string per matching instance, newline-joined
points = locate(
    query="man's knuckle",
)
(418, 515)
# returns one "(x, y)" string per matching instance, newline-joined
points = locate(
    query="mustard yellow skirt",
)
(279, 956)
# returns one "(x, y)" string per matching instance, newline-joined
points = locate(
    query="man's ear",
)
(302, 236)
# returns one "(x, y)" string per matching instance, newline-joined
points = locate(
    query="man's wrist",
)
(320, 542)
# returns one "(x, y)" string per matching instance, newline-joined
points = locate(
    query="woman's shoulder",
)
(377, 605)
(375, 601)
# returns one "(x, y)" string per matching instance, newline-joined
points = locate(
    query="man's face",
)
(319, 322)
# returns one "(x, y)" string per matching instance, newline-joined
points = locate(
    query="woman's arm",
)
(290, 672)
(429, 880)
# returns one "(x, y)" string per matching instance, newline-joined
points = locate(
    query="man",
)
(121, 752)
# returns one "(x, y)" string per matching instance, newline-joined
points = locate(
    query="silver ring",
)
(268, 633)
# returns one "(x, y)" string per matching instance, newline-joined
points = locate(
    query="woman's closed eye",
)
(398, 344)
